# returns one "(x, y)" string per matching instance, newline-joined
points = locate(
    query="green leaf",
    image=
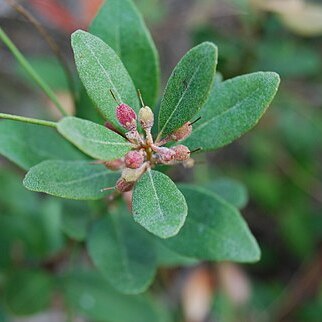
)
(101, 70)
(158, 205)
(28, 292)
(93, 139)
(85, 109)
(214, 230)
(169, 258)
(121, 251)
(92, 296)
(70, 179)
(121, 26)
(233, 108)
(75, 218)
(28, 144)
(9, 202)
(188, 87)
(230, 190)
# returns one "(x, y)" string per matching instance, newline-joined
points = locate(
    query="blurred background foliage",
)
(42, 238)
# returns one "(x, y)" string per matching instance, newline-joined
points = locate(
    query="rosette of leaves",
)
(187, 223)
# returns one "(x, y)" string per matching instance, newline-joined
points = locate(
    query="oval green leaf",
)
(93, 139)
(70, 179)
(27, 144)
(214, 230)
(121, 26)
(233, 108)
(121, 251)
(158, 205)
(233, 191)
(188, 87)
(101, 70)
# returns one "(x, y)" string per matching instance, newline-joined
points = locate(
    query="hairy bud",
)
(182, 153)
(146, 117)
(114, 164)
(123, 186)
(182, 132)
(126, 116)
(164, 154)
(134, 159)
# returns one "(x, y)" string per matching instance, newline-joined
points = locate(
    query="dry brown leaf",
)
(234, 282)
(197, 294)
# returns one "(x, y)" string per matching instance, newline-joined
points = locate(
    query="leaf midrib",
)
(79, 135)
(181, 98)
(104, 70)
(156, 195)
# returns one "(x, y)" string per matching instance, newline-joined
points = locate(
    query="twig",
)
(27, 120)
(32, 73)
(49, 40)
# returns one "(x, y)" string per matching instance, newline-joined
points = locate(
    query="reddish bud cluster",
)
(146, 153)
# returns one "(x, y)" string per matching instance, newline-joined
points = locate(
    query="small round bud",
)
(114, 164)
(134, 159)
(182, 153)
(123, 186)
(146, 117)
(182, 132)
(126, 116)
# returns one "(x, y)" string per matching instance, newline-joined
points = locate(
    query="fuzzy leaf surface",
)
(101, 70)
(214, 230)
(158, 205)
(121, 26)
(188, 87)
(121, 251)
(29, 144)
(233, 108)
(233, 191)
(93, 139)
(70, 179)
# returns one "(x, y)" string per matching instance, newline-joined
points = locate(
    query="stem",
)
(32, 73)
(50, 41)
(27, 120)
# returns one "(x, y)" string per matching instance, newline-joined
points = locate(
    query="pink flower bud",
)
(123, 186)
(146, 117)
(182, 153)
(126, 116)
(134, 159)
(182, 132)
(114, 164)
